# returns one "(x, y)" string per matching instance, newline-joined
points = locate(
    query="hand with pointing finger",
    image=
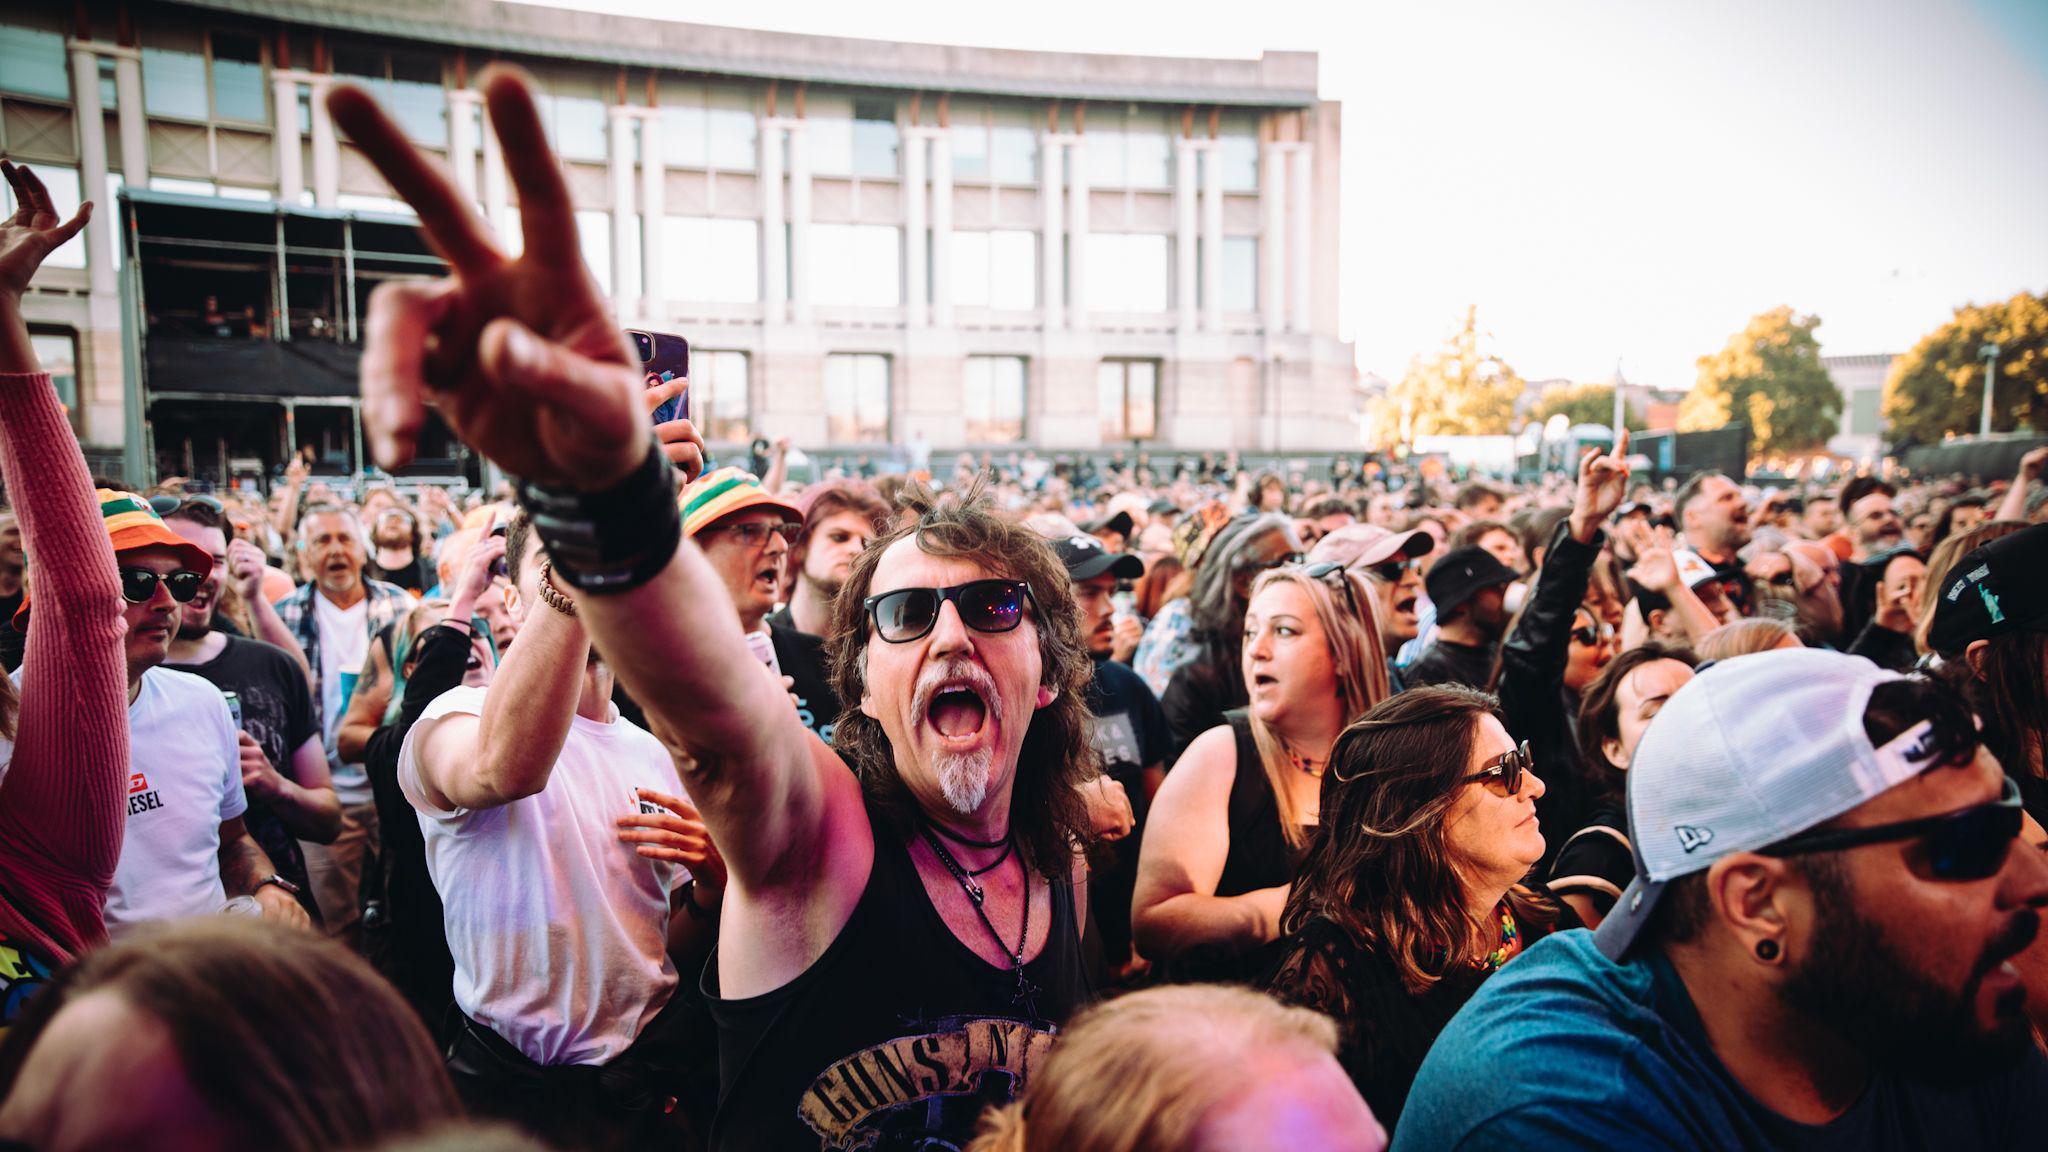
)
(521, 355)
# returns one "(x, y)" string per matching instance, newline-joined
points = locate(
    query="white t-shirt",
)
(344, 643)
(559, 931)
(184, 779)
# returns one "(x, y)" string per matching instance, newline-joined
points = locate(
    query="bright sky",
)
(1613, 181)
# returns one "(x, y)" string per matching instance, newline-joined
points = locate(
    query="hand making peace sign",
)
(521, 355)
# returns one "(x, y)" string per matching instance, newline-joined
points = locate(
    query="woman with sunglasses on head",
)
(1228, 826)
(1212, 681)
(63, 718)
(1413, 891)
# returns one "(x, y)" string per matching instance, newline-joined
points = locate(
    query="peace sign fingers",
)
(547, 216)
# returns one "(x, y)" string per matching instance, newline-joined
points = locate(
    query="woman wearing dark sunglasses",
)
(1228, 826)
(1412, 891)
(67, 733)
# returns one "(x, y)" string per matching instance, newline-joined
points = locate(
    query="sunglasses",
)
(138, 585)
(166, 505)
(1244, 568)
(989, 606)
(1505, 769)
(1324, 571)
(1391, 571)
(1589, 635)
(1969, 844)
(753, 535)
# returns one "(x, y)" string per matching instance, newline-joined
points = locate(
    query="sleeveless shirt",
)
(898, 1036)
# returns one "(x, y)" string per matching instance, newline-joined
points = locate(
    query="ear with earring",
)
(1767, 950)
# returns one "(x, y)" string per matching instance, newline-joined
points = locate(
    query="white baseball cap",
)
(1749, 753)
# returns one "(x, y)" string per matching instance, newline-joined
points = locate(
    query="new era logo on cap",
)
(1692, 839)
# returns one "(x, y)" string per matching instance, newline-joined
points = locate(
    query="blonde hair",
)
(1744, 638)
(1144, 1071)
(1357, 656)
(1942, 561)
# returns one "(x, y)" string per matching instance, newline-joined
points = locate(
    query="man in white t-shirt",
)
(574, 877)
(184, 851)
(334, 615)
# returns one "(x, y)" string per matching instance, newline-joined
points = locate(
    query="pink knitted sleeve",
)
(61, 813)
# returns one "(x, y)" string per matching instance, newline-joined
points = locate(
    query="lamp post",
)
(1989, 352)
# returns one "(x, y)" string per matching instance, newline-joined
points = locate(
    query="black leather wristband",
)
(611, 541)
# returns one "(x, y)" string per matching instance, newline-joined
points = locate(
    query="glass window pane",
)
(1013, 270)
(110, 88)
(421, 108)
(719, 395)
(58, 355)
(594, 230)
(683, 136)
(576, 126)
(1013, 145)
(185, 187)
(735, 139)
(872, 396)
(238, 87)
(174, 83)
(65, 198)
(828, 134)
(711, 260)
(970, 269)
(993, 399)
(857, 264)
(1109, 392)
(857, 399)
(969, 141)
(1240, 163)
(1127, 273)
(1141, 399)
(1240, 273)
(32, 62)
(629, 289)
(875, 138)
(1148, 157)
(1105, 157)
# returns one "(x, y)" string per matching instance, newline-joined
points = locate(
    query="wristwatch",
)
(280, 881)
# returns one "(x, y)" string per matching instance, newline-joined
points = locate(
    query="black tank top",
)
(898, 1036)
(1260, 857)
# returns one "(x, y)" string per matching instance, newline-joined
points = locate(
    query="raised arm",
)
(61, 804)
(2014, 506)
(245, 567)
(529, 367)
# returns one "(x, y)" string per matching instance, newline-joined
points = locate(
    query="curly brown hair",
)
(1380, 866)
(1046, 813)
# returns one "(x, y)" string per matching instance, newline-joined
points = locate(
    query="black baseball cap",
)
(1086, 558)
(1461, 573)
(1994, 591)
(1117, 522)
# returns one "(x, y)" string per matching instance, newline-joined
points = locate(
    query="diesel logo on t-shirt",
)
(141, 797)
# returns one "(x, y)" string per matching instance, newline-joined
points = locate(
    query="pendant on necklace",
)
(974, 893)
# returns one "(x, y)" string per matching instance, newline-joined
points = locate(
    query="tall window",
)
(32, 62)
(876, 139)
(577, 126)
(594, 232)
(1240, 273)
(857, 399)
(711, 260)
(239, 92)
(992, 398)
(58, 354)
(857, 264)
(719, 397)
(1128, 273)
(65, 198)
(174, 75)
(408, 85)
(969, 139)
(710, 127)
(1238, 141)
(997, 145)
(1129, 398)
(1129, 150)
(996, 270)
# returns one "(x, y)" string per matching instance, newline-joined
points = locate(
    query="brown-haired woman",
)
(1229, 824)
(1413, 889)
(222, 1032)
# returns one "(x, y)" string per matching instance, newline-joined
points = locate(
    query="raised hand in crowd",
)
(2032, 467)
(679, 439)
(1603, 482)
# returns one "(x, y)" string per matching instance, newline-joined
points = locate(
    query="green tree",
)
(1460, 389)
(1768, 376)
(1938, 386)
(1585, 404)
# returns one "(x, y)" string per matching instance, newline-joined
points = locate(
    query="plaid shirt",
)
(387, 603)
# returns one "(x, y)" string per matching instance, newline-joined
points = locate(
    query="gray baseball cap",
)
(1751, 752)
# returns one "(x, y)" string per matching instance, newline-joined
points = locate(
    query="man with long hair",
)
(900, 932)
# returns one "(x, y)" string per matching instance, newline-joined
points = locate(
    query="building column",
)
(1297, 235)
(134, 121)
(1272, 237)
(915, 292)
(799, 224)
(462, 141)
(1077, 228)
(92, 168)
(619, 166)
(1186, 263)
(326, 151)
(1051, 252)
(653, 213)
(1212, 239)
(774, 236)
(291, 166)
(497, 188)
(942, 229)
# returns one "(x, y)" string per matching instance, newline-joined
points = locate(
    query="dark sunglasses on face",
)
(1589, 635)
(1969, 844)
(1391, 571)
(166, 505)
(755, 534)
(990, 606)
(138, 585)
(1506, 769)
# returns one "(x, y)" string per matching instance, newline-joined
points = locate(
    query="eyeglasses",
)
(166, 505)
(1505, 769)
(1969, 844)
(138, 585)
(990, 606)
(755, 533)
(1391, 571)
(1327, 569)
(1590, 635)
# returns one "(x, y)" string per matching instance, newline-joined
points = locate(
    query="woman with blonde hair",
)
(1747, 638)
(1194, 1069)
(1229, 824)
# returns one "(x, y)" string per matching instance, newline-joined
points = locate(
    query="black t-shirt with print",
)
(1129, 729)
(277, 712)
(802, 659)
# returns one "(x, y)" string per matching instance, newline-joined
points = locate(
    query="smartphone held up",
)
(663, 357)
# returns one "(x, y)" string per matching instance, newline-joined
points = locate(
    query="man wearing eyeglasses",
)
(1816, 951)
(184, 851)
(745, 531)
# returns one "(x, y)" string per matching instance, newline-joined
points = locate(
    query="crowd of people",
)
(661, 804)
